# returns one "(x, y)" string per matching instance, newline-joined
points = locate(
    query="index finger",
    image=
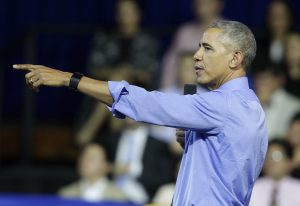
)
(28, 67)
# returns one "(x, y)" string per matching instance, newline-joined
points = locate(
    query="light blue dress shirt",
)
(226, 138)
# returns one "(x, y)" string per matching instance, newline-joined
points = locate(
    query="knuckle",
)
(28, 74)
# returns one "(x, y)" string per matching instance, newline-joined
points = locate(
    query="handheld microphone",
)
(180, 134)
(190, 89)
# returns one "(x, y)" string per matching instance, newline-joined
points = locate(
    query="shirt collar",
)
(235, 84)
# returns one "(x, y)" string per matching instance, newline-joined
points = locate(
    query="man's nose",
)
(198, 55)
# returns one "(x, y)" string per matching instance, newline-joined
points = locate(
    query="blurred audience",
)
(101, 127)
(93, 184)
(143, 163)
(187, 38)
(277, 187)
(270, 42)
(145, 156)
(292, 62)
(125, 53)
(293, 137)
(278, 105)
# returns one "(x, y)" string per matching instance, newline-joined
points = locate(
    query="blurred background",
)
(61, 143)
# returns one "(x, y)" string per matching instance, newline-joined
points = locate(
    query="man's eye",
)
(207, 48)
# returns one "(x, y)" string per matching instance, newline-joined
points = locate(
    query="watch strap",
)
(74, 81)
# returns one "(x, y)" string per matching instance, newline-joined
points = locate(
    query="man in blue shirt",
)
(226, 136)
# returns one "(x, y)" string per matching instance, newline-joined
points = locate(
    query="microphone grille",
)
(190, 89)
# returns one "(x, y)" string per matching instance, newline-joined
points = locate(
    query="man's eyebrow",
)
(205, 44)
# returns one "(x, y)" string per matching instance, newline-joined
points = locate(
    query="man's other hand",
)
(39, 75)
(180, 137)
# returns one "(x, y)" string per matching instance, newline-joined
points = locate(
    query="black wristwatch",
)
(74, 81)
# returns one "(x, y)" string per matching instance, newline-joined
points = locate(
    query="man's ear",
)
(236, 60)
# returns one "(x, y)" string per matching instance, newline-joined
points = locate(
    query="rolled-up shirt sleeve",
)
(205, 111)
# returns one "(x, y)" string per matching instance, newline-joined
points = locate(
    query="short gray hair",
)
(240, 38)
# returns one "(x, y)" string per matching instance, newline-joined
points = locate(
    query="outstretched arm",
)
(203, 112)
(39, 75)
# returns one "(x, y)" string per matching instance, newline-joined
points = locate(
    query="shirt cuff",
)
(117, 90)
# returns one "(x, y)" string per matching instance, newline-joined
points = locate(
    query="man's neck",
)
(226, 78)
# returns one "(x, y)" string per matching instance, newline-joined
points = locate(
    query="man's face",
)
(212, 59)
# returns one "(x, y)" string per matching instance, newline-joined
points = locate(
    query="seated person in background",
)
(128, 50)
(93, 185)
(292, 62)
(293, 137)
(277, 187)
(278, 105)
(270, 41)
(142, 164)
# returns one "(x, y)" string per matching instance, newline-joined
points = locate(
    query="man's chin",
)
(202, 81)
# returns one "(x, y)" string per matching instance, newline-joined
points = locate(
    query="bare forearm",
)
(91, 87)
(96, 89)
